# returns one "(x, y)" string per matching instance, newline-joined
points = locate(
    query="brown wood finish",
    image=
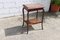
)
(29, 8)
(33, 21)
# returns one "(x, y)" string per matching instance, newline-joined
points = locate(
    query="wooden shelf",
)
(33, 21)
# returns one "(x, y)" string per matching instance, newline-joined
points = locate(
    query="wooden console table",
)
(29, 8)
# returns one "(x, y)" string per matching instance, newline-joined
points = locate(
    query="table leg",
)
(23, 20)
(42, 19)
(27, 22)
(37, 15)
(23, 17)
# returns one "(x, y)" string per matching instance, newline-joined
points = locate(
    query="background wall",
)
(14, 7)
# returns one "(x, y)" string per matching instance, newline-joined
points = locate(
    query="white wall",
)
(14, 7)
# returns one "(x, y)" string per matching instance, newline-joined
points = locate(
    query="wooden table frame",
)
(29, 10)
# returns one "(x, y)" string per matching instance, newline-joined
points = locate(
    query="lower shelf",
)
(33, 21)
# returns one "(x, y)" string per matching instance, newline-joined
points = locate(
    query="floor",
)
(10, 28)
